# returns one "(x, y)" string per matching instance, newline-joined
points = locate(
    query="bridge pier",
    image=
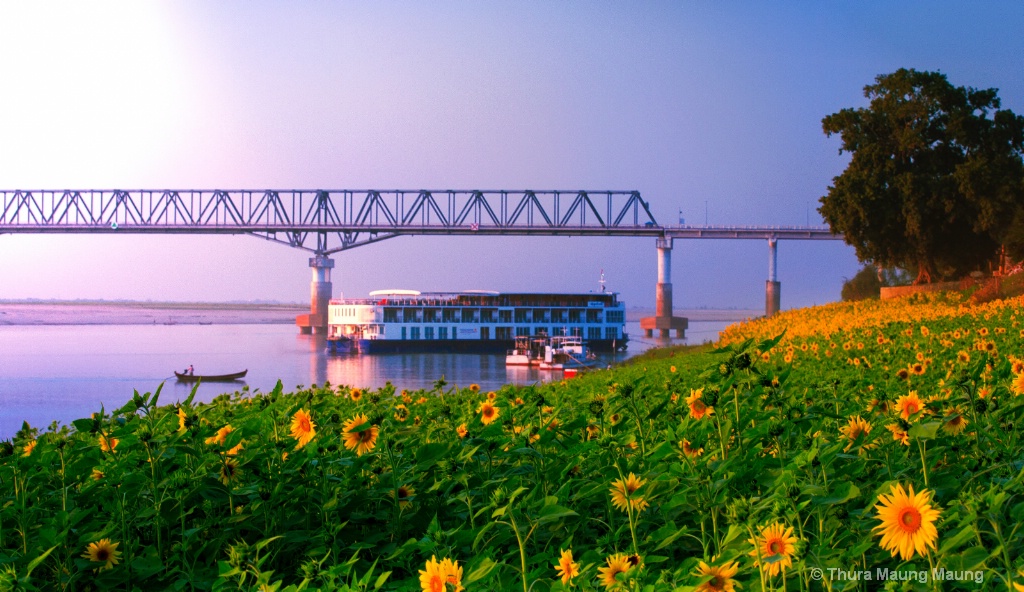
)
(772, 287)
(320, 291)
(663, 320)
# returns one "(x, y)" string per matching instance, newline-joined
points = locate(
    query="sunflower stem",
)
(924, 465)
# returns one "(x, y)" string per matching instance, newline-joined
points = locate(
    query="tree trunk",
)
(924, 274)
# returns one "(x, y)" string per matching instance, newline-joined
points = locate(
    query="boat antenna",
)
(601, 281)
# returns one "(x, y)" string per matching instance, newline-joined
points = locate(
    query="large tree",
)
(935, 181)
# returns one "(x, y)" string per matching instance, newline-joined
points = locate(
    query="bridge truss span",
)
(327, 221)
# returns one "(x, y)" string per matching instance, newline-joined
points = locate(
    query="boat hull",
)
(211, 378)
(463, 346)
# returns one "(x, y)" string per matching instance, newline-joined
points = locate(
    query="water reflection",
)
(66, 372)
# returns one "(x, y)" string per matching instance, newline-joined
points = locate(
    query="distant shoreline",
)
(146, 313)
(108, 312)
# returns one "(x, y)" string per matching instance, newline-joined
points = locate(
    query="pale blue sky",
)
(686, 102)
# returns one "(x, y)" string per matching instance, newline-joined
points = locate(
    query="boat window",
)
(428, 332)
(610, 333)
(403, 333)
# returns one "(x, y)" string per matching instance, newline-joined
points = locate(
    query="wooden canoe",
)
(210, 377)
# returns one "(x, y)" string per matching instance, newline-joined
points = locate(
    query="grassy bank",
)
(784, 461)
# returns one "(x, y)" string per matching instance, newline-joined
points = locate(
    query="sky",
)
(711, 110)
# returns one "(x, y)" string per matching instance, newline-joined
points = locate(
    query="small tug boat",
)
(561, 352)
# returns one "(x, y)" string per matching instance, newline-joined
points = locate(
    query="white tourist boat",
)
(474, 321)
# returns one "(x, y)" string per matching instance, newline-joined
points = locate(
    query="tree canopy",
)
(935, 181)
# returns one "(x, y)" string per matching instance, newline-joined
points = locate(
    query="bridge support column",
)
(663, 320)
(320, 290)
(772, 287)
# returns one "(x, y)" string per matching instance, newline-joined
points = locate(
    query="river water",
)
(65, 372)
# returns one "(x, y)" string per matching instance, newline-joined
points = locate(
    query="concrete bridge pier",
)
(320, 291)
(772, 287)
(663, 320)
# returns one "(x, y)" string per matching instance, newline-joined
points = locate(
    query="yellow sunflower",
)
(108, 443)
(690, 450)
(436, 575)
(103, 551)
(220, 436)
(908, 405)
(856, 428)
(462, 430)
(405, 493)
(774, 548)
(361, 441)
(453, 573)
(908, 522)
(955, 422)
(432, 578)
(229, 471)
(474, 387)
(29, 447)
(698, 410)
(899, 434)
(1018, 384)
(624, 493)
(401, 412)
(182, 418)
(566, 568)
(303, 428)
(488, 412)
(616, 564)
(355, 394)
(720, 577)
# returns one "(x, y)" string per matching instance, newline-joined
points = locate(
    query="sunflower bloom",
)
(303, 428)
(1018, 384)
(856, 428)
(698, 410)
(462, 430)
(182, 418)
(899, 434)
(690, 450)
(488, 412)
(221, 436)
(566, 568)
(774, 548)
(361, 441)
(956, 421)
(103, 551)
(908, 522)
(453, 573)
(436, 575)
(401, 412)
(355, 394)
(624, 493)
(908, 405)
(616, 564)
(721, 577)
(229, 471)
(405, 493)
(29, 447)
(108, 443)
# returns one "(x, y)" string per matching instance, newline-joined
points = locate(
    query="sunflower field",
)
(861, 446)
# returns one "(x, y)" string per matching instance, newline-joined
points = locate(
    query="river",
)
(65, 372)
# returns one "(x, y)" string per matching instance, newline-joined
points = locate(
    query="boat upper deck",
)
(483, 299)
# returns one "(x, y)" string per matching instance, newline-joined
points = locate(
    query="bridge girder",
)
(327, 221)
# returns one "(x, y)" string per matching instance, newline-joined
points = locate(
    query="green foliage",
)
(867, 283)
(935, 181)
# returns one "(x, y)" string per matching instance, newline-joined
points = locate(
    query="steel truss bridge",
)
(328, 221)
